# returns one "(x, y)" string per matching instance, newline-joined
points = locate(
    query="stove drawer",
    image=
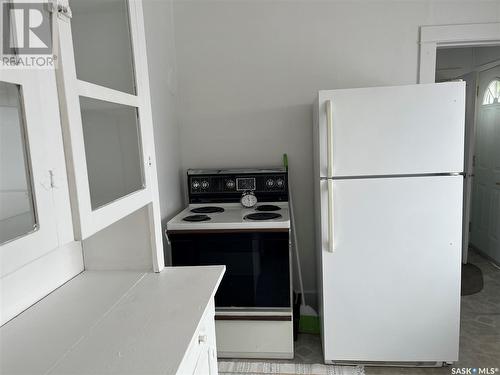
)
(254, 339)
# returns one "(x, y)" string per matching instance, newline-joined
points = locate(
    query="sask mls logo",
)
(26, 29)
(474, 370)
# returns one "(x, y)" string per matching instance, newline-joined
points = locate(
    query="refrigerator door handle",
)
(329, 137)
(331, 229)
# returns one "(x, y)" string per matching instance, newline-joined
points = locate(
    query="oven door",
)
(257, 265)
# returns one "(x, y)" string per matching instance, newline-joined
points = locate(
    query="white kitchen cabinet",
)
(201, 357)
(118, 322)
(77, 153)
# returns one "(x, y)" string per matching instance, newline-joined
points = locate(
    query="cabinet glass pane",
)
(102, 44)
(112, 150)
(17, 214)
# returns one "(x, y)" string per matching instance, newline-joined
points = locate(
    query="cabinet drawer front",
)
(201, 346)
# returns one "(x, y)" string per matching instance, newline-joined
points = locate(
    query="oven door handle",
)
(329, 137)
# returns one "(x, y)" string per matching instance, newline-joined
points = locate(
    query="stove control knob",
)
(280, 182)
(270, 183)
(204, 184)
(195, 184)
(230, 184)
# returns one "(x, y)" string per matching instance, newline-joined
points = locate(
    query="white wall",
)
(249, 70)
(158, 17)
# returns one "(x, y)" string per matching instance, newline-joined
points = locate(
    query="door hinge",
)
(51, 176)
(473, 160)
(50, 182)
(61, 7)
(470, 226)
(477, 91)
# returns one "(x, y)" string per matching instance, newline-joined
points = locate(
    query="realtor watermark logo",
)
(475, 370)
(27, 35)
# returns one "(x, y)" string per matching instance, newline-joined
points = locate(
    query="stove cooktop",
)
(267, 207)
(272, 215)
(196, 218)
(207, 210)
(262, 216)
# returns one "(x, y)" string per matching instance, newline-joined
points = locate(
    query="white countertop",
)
(111, 322)
(231, 218)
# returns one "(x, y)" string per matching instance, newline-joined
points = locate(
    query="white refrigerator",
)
(388, 197)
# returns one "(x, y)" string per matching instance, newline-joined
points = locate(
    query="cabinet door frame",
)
(44, 145)
(87, 221)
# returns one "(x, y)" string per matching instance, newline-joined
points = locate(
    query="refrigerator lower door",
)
(391, 286)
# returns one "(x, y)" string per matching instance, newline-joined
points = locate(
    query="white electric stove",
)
(240, 218)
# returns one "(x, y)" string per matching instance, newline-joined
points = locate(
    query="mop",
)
(309, 320)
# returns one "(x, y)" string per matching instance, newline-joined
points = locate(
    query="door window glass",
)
(102, 43)
(112, 150)
(17, 213)
(492, 93)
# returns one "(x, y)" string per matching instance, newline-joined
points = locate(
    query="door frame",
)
(466, 35)
(434, 37)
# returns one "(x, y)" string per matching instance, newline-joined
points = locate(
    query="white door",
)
(470, 118)
(107, 116)
(411, 129)
(391, 287)
(485, 220)
(35, 215)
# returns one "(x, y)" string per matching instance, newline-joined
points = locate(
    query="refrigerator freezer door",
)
(414, 129)
(391, 287)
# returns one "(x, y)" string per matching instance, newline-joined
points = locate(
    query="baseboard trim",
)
(386, 364)
(257, 355)
(484, 255)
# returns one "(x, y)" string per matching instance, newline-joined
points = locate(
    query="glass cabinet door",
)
(35, 215)
(108, 115)
(111, 127)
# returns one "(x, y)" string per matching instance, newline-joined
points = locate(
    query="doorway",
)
(479, 67)
(485, 210)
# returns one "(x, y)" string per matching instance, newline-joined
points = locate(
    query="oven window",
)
(257, 265)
